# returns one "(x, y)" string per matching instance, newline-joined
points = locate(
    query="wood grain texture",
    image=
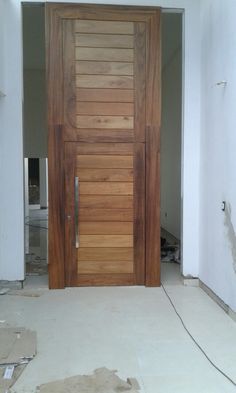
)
(106, 241)
(105, 254)
(104, 40)
(140, 82)
(119, 175)
(105, 148)
(106, 202)
(104, 68)
(105, 81)
(99, 280)
(102, 228)
(101, 267)
(104, 54)
(99, 135)
(106, 188)
(100, 161)
(139, 213)
(105, 108)
(106, 215)
(104, 27)
(105, 122)
(105, 95)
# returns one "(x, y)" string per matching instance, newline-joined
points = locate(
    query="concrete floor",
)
(131, 329)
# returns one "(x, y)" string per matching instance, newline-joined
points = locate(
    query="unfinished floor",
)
(133, 330)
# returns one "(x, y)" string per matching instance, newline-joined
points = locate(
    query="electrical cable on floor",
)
(194, 340)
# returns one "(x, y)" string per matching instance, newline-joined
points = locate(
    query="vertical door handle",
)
(76, 212)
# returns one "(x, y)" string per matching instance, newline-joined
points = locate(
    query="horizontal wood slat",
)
(105, 122)
(102, 228)
(105, 95)
(104, 54)
(97, 161)
(100, 267)
(106, 201)
(105, 254)
(104, 108)
(105, 81)
(111, 279)
(106, 215)
(105, 148)
(104, 40)
(106, 241)
(103, 68)
(106, 188)
(103, 27)
(108, 175)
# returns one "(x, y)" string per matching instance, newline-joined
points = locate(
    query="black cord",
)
(35, 226)
(195, 342)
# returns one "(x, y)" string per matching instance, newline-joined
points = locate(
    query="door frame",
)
(55, 13)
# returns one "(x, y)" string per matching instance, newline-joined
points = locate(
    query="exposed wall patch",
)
(230, 233)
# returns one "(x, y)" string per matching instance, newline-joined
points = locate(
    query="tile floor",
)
(131, 329)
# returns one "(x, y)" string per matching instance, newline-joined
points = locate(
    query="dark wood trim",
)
(55, 151)
(139, 213)
(153, 118)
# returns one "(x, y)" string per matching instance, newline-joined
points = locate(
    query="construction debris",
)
(101, 381)
(17, 349)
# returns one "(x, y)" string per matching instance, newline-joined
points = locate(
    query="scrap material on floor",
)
(101, 381)
(17, 349)
(170, 252)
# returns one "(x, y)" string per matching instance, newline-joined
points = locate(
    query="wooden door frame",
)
(55, 13)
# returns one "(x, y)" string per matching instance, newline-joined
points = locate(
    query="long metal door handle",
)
(76, 212)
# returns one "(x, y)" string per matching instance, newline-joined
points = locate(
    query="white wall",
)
(11, 147)
(218, 149)
(11, 199)
(171, 125)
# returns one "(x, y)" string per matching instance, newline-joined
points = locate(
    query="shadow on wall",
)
(230, 233)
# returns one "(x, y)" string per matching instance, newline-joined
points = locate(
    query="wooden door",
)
(104, 119)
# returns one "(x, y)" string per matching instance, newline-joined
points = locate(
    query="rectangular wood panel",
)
(119, 175)
(105, 148)
(104, 40)
(102, 228)
(105, 254)
(106, 188)
(106, 241)
(106, 108)
(106, 215)
(104, 68)
(105, 95)
(105, 122)
(105, 81)
(104, 27)
(104, 54)
(106, 202)
(97, 161)
(101, 267)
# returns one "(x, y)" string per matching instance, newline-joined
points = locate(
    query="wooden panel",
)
(104, 54)
(99, 135)
(106, 188)
(104, 27)
(105, 81)
(105, 148)
(85, 280)
(105, 254)
(104, 40)
(100, 267)
(106, 241)
(105, 174)
(102, 228)
(105, 108)
(96, 161)
(106, 215)
(104, 68)
(105, 122)
(105, 95)
(106, 202)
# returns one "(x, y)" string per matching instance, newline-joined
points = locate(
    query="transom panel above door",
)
(104, 119)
